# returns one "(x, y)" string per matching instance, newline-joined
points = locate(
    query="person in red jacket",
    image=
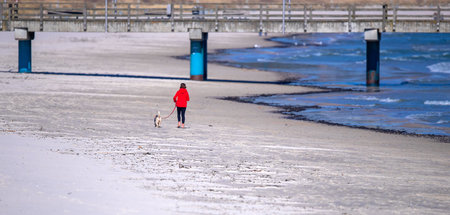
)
(181, 98)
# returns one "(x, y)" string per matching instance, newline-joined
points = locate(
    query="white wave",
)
(410, 58)
(389, 100)
(299, 56)
(442, 121)
(443, 67)
(373, 98)
(424, 115)
(368, 98)
(348, 54)
(318, 43)
(422, 56)
(263, 60)
(446, 102)
(396, 58)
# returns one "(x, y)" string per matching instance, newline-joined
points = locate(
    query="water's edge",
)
(287, 109)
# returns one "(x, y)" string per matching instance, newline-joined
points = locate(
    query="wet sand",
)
(233, 157)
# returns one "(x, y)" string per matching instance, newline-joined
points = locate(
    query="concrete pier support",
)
(199, 54)
(24, 37)
(372, 37)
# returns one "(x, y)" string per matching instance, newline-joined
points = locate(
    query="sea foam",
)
(421, 116)
(373, 98)
(443, 67)
(446, 102)
(442, 122)
(264, 60)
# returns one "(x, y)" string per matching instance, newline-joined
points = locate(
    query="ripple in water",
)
(415, 79)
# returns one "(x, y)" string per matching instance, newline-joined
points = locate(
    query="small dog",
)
(157, 120)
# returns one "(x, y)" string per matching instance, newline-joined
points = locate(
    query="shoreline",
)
(236, 158)
(284, 109)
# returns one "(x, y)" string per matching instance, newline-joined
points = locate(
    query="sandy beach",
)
(233, 158)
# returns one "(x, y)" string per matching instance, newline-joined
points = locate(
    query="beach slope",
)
(233, 157)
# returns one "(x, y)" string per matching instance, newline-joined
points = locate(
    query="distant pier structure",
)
(27, 17)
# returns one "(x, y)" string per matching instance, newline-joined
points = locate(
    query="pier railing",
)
(222, 17)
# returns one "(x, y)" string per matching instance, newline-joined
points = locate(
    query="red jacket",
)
(183, 98)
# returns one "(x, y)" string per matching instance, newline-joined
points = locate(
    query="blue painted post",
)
(372, 37)
(24, 55)
(24, 37)
(197, 59)
(199, 56)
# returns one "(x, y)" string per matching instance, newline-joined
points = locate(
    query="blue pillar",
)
(24, 37)
(372, 37)
(198, 54)
(197, 59)
(24, 55)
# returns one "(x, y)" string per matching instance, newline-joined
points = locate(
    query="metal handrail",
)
(207, 11)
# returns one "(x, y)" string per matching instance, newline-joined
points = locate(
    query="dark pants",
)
(181, 111)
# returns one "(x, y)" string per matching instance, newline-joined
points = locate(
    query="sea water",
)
(414, 92)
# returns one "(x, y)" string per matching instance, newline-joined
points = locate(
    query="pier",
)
(297, 18)
(201, 19)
